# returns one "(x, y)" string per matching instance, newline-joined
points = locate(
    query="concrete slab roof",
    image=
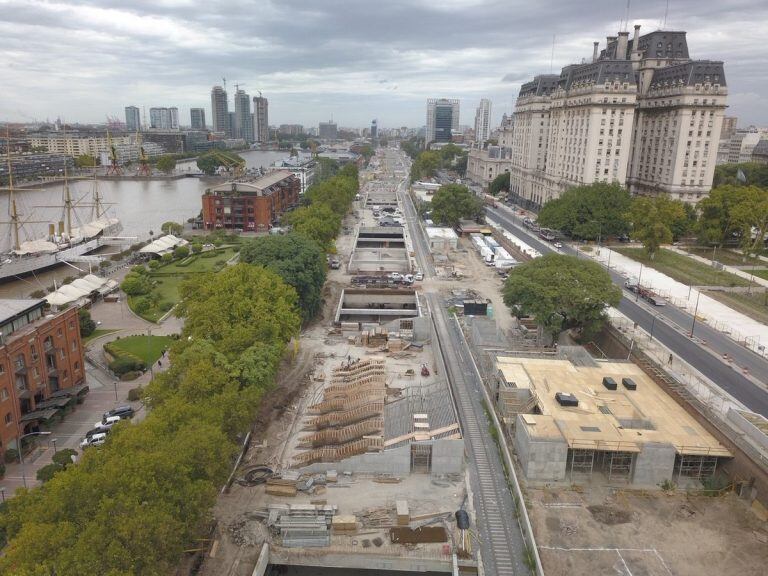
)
(621, 419)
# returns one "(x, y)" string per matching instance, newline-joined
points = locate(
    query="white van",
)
(107, 422)
(95, 440)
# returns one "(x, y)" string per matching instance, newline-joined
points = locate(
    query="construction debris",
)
(403, 514)
(344, 524)
(425, 534)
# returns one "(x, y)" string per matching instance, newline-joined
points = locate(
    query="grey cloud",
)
(356, 60)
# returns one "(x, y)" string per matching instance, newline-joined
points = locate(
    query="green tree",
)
(425, 165)
(562, 292)
(751, 216)
(653, 220)
(87, 325)
(587, 212)
(211, 161)
(136, 284)
(181, 252)
(412, 146)
(172, 228)
(318, 223)
(166, 163)
(754, 175)
(197, 247)
(454, 202)
(299, 262)
(47, 472)
(85, 161)
(499, 184)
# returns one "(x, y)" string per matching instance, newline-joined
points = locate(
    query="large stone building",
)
(738, 148)
(76, 144)
(250, 206)
(641, 113)
(42, 370)
(483, 165)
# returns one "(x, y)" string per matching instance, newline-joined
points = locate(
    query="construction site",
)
(365, 466)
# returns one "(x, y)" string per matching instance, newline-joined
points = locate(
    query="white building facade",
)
(483, 122)
(642, 114)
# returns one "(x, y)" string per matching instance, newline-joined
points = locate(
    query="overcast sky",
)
(354, 60)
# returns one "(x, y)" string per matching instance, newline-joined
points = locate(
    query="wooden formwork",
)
(337, 436)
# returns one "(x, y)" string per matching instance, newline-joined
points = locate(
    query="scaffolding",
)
(695, 466)
(582, 461)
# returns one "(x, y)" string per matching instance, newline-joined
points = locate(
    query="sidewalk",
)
(736, 271)
(737, 326)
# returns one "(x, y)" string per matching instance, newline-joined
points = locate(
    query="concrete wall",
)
(540, 459)
(654, 464)
(393, 461)
(760, 438)
(447, 456)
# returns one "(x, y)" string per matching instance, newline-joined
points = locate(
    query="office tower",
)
(174, 118)
(644, 115)
(374, 131)
(442, 119)
(483, 122)
(231, 125)
(132, 119)
(328, 130)
(220, 110)
(197, 118)
(160, 118)
(243, 126)
(260, 119)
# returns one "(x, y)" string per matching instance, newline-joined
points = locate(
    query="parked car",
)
(395, 276)
(335, 264)
(95, 440)
(558, 245)
(418, 276)
(122, 411)
(108, 422)
(408, 278)
(97, 430)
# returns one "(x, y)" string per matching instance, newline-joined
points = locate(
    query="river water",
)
(141, 205)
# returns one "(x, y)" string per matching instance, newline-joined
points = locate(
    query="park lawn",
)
(761, 273)
(724, 256)
(199, 264)
(754, 305)
(683, 268)
(99, 332)
(148, 348)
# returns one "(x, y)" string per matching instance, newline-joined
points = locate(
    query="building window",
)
(2, 369)
(4, 394)
(8, 419)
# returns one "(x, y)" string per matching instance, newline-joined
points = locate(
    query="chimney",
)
(594, 52)
(621, 46)
(636, 39)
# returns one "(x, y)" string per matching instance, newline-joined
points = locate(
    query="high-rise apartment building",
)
(220, 110)
(260, 119)
(483, 122)
(197, 118)
(328, 130)
(442, 119)
(132, 119)
(374, 131)
(173, 113)
(164, 118)
(643, 114)
(243, 127)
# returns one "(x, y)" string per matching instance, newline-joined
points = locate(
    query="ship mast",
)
(67, 195)
(12, 197)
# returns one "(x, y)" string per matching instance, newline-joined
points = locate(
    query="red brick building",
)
(250, 206)
(42, 369)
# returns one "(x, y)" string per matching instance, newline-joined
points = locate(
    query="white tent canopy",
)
(80, 288)
(163, 245)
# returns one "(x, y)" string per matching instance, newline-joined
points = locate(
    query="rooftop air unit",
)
(609, 383)
(567, 400)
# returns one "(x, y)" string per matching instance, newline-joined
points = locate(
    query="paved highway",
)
(502, 546)
(673, 333)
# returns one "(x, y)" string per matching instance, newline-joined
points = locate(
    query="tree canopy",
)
(734, 212)
(133, 505)
(561, 292)
(656, 221)
(166, 163)
(171, 228)
(213, 160)
(454, 202)
(299, 262)
(85, 161)
(754, 175)
(425, 165)
(499, 184)
(586, 212)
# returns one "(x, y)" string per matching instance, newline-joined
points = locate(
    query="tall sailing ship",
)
(65, 242)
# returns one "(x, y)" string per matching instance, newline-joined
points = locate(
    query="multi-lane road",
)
(672, 327)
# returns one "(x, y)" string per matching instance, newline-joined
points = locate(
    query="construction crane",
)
(114, 167)
(235, 167)
(144, 168)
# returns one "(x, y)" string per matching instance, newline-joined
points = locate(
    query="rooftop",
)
(435, 232)
(11, 308)
(259, 186)
(605, 419)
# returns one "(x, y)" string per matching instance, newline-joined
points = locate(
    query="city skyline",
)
(317, 63)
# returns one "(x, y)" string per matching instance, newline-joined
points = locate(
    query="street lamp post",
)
(2, 492)
(149, 352)
(696, 310)
(639, 279)
(54, 440)
(21, 452)
(653, 323)
(115, 385)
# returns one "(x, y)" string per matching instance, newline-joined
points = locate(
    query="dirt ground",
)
(631, 533)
